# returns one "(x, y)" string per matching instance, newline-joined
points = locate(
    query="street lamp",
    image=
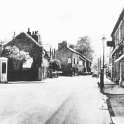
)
(102, 68)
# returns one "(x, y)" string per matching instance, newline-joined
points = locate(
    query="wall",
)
(63, 54)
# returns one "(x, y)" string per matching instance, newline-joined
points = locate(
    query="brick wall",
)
(63, 54)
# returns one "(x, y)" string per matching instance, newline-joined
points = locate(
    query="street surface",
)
(63, 100)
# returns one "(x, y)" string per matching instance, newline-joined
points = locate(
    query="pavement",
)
(115, 101)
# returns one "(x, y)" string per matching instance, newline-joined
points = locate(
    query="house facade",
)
(27, 60)
(71, 59)
(117, 54)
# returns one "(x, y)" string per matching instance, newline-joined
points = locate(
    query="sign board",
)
(110, 43)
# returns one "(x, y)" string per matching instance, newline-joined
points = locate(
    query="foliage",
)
(12, 52)
(83, 46)
(16, 57)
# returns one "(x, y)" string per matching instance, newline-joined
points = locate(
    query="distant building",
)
(73, 60)
(32, 69)
(117, 54)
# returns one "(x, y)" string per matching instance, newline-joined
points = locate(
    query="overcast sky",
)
(58, 20)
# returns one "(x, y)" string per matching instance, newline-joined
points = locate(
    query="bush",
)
(16, 57)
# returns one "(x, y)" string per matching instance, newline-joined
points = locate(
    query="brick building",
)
(71, 59)
(117, 53)
(30, 44)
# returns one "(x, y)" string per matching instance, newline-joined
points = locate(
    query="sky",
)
(58, 20)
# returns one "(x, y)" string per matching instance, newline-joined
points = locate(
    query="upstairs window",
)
(69, 60)
(122, 30)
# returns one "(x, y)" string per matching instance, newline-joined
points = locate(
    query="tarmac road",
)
(63, 100)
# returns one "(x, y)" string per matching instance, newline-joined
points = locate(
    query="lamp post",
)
(102, 68)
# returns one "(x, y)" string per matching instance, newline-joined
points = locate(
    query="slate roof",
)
(32, 39)
(27, 36)
(74, 51)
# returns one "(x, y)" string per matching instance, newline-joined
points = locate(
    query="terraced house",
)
(118, 50)
(72, 62)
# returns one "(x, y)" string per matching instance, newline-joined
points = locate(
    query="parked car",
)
(54, 68)
(94, 74)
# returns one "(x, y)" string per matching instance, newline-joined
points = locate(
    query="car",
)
(94, 74)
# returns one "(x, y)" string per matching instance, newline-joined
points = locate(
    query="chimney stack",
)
(35, 35)
(29, 32)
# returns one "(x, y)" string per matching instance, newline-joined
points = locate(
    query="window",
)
(69, 60)
(3, 67)
(80, 62)
(122, 30)
(74, 60)
(117, 36)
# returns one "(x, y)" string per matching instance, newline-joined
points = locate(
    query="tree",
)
(83, 46)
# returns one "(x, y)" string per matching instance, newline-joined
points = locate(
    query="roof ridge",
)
(78, 53)
(32, 39)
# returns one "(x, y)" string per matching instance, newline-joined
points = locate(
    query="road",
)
(63, 100)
